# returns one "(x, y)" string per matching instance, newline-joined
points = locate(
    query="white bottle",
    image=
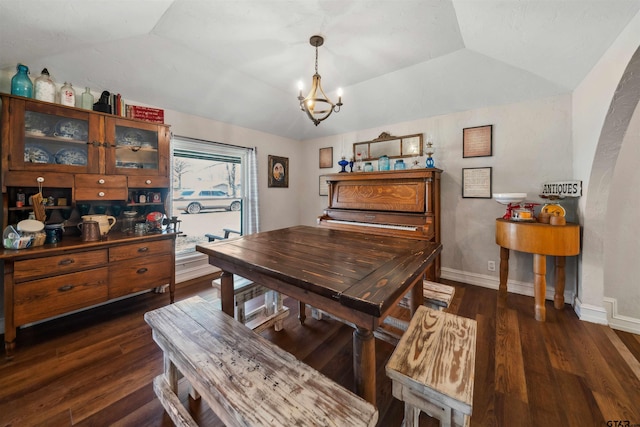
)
(67, 95)
(44, 88)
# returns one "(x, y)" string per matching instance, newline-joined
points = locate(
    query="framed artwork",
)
(476, 183)
(323, 186)
(477, 141)
(326, 157)
(278, 171)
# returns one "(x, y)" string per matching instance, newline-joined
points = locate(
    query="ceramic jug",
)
(104, 221)
(90, 231)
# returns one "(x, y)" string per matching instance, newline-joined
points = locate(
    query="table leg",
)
(540, 285)
(364, 364)
(416, 298)
(504, 268)
(558, 299)
(226, 293)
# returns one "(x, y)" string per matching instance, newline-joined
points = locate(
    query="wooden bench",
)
(432, 368)
(245, 379)
(270, 313)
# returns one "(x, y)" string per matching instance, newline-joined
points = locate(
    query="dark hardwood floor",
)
(95, 368)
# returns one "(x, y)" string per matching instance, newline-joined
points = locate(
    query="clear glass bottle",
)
(87, 100)
(368, 167)
(21, 83)
(44, 88)
(67, 95)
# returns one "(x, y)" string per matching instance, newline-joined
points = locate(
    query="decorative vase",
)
(21, 83)
(44, 88)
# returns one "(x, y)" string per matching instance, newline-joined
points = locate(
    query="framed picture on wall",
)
(326, 157)
(323, 186)
(278, 171)
(477, 141)
(476, 183)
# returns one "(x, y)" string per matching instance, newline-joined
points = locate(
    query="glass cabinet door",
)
(135, 148)
(53, 138)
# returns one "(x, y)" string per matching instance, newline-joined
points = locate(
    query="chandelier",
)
(316, 104)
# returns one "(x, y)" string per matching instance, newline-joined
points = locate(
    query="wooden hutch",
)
(75, 156)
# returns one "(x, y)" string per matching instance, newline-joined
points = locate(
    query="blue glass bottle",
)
(21, 83)
(399, 165)
(383, 163)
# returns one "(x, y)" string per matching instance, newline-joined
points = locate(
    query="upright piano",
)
(404, 203)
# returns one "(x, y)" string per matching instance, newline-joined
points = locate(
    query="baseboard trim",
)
(590, 313)
(619, 321)
(491, 282)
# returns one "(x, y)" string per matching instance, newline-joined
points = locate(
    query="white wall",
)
(531, 145)
(602, 107)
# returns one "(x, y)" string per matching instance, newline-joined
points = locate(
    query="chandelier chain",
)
(316, 59)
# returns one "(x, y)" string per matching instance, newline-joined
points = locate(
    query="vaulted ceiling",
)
(240, 61)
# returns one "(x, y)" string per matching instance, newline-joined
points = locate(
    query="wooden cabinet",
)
(80, 156)
(51, 280)
(74, 156)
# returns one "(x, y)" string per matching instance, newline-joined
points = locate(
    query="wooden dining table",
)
(356, 277)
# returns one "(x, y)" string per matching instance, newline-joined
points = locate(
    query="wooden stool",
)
(432, 369)
(436, 295)
(271, 312)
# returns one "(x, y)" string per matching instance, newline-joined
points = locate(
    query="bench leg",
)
(279, 325)
(302, 312)
(411, 416)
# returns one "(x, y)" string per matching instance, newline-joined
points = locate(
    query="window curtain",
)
(252, 213)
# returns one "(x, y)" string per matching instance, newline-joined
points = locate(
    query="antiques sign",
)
(562, 188)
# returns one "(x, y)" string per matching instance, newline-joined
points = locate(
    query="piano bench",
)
(432, 368)
(271, 312)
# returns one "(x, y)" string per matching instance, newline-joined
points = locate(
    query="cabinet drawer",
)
(40, 299)
(122, 253)
(101, 193)
(96, 181)
(60, 264)
(137, 275)
(148, 181)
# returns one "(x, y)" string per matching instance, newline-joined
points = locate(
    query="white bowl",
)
(506, 198)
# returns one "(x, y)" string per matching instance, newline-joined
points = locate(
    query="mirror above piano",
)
(392, 146)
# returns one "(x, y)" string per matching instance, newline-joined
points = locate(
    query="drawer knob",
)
(101, 181)
(65, 288)
(67, 261)
(101, 194)
(148, 182)
(142, 270)
(144, 249)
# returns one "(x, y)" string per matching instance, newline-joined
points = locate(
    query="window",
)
(208, 191)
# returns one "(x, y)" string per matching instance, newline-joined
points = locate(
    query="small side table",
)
(540, 240)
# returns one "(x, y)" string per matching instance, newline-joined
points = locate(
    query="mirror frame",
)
(395, 147)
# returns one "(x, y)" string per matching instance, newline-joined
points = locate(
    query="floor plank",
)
(95, 368)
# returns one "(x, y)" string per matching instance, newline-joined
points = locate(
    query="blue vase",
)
(430, 163)
(21, 83)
